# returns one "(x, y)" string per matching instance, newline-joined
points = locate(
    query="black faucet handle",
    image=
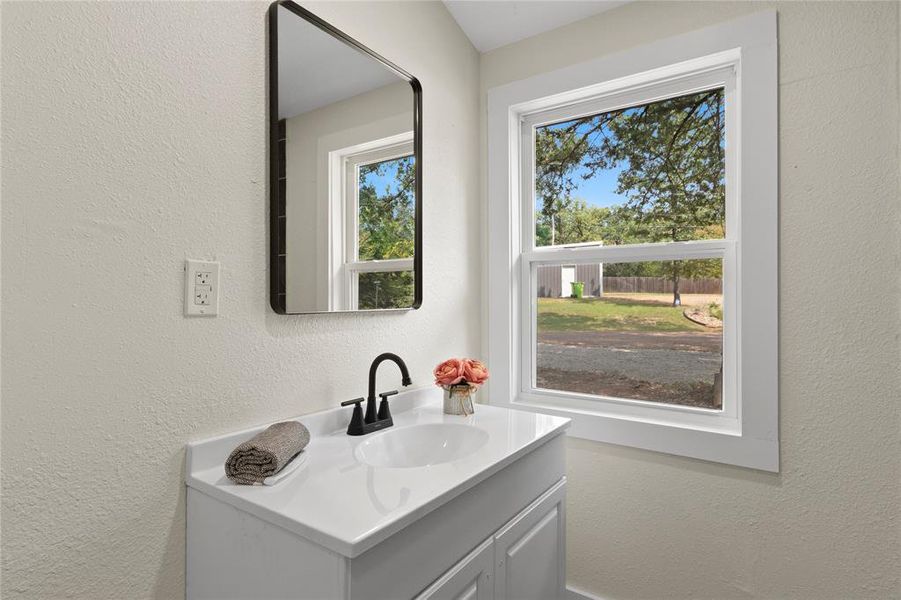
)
(355, 427)
(384, 411)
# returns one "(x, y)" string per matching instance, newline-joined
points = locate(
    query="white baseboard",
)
(577, 594)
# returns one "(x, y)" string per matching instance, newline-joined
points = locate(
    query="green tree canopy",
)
(670, 158)
(387, 219)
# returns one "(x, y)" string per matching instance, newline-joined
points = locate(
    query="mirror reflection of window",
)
(379, 204)
(386, 228)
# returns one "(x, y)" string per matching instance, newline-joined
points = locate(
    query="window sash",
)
(710, 75)
(718, 71)
(584, 253)
(354, 269)
(725, 419)
(381, 266)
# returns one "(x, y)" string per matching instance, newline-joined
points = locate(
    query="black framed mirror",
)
(345, 172)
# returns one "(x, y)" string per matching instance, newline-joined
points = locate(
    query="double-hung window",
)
(632, 188)
(633, 277)
(377, 201)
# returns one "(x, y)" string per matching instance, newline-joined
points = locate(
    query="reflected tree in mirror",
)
(386, 290)
(387, 209)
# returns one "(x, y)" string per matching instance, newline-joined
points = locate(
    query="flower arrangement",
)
(460, 378)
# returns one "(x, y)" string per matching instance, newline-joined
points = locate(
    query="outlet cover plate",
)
(201, 288)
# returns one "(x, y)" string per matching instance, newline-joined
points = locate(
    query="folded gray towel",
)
(266, 453)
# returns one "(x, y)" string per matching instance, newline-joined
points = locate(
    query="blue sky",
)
(600, 190)
(382, 181)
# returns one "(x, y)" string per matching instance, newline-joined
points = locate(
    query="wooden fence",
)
(550, 283)
(662, 285)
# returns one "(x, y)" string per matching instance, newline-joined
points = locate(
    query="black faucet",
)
(374, 421)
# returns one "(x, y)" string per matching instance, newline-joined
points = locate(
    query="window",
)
(633, 234)
(375, 249)
(614, 179)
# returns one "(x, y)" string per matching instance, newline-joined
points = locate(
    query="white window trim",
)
(745, 433)
(344, 202)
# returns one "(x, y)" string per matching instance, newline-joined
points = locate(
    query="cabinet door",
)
(530, 551)
(469, 579)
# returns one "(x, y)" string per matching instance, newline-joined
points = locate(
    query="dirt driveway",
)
(677, 368)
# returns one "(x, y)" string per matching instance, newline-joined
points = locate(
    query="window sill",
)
(722, 443)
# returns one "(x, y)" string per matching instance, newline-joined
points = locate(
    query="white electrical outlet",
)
(201, 288)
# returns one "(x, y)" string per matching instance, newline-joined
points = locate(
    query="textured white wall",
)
(134, 134)
(646, 525)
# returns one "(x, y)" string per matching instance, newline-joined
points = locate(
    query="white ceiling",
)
(490, 24)
(315, 69)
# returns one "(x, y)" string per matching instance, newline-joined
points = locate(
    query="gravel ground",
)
(645, 364)
(671, 367)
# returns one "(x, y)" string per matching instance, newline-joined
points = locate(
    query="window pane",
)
(386, 290)
(642, 331)
(387, 209)
(651, 173)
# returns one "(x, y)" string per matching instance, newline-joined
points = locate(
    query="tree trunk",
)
(677, 298)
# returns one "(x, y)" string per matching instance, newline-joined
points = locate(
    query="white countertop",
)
(349, 507)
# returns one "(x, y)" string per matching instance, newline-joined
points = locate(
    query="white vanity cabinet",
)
(525, 560)
(530, 552)
(490, 526)
(470, 579)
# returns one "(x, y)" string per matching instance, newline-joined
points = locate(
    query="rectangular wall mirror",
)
(346, 172)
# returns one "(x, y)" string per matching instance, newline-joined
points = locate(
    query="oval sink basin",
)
(421, 445)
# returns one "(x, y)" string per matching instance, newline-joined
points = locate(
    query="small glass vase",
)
(458, 400)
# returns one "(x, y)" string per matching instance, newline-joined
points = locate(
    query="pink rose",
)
(474, 371)
(450, 372)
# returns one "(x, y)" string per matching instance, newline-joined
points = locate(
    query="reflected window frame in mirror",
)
(345, 286)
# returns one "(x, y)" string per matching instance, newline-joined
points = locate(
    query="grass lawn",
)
(611, 314)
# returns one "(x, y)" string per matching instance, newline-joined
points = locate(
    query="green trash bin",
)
(578, 287)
